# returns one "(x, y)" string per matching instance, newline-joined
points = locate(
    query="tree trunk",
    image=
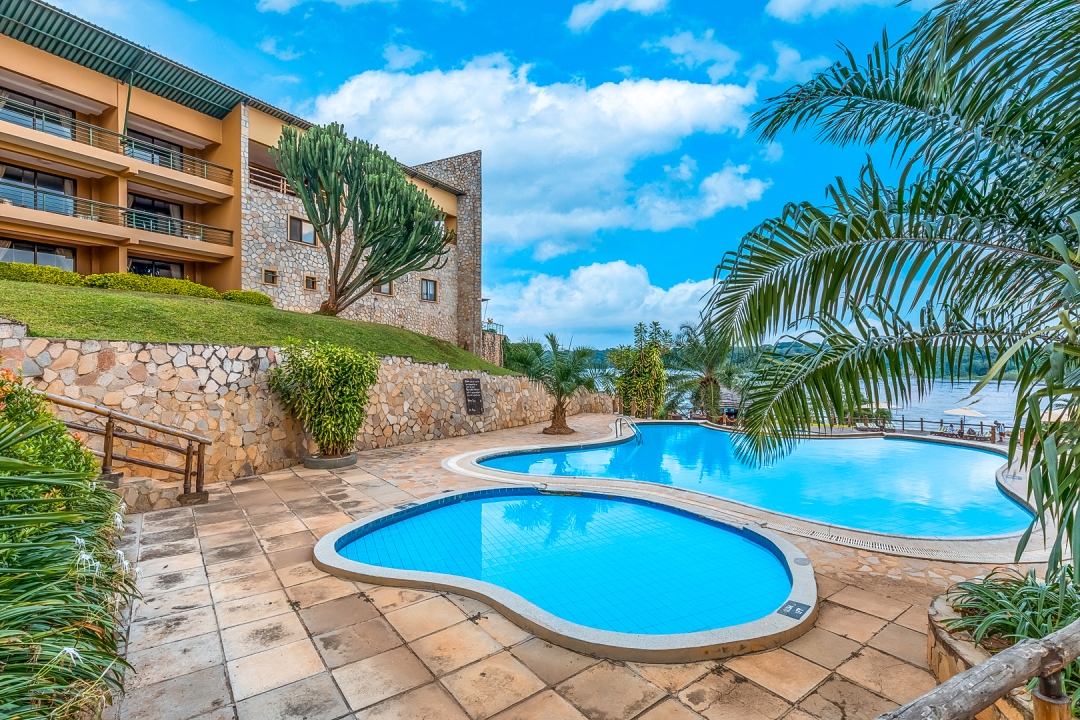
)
(558, 421)
(328, 307)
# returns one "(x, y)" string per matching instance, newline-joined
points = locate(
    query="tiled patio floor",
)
(237, 623)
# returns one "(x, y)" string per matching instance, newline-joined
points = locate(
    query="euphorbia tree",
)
(372, 223)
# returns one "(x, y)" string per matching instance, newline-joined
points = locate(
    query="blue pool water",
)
(610, 564)
(903, 487)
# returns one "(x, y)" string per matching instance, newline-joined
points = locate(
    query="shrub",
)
(64, 580)
(149, 284)
(1008, 606)
(22, 272)
(325, 387)
(248, 297)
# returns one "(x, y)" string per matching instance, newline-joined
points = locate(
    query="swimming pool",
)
(901, 487)
(588, 566)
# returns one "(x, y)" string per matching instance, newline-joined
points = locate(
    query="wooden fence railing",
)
(193, 449)
(969, 693)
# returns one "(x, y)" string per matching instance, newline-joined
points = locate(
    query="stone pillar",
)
(464, 173)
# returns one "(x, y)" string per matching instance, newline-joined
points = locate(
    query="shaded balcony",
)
(62, 126)
(84, 209)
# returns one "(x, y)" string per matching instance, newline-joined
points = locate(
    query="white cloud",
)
(773, 152)
(599, 304)
(693, 52)
(269, 45)
(791, 66)
(284, 6)
(585, 14)
(401, 57)
(557, 156)
(798, 10)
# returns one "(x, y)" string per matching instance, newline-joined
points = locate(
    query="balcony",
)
(60, 126)
(83, 209)
(269, 180)
(490, 326)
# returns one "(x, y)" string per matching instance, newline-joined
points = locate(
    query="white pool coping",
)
(765, 633)
(986, 549)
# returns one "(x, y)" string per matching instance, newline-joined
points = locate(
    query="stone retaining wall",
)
(221, 392)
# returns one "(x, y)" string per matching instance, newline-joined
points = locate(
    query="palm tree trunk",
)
(558, 420)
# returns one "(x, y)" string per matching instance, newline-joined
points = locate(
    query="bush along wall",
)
(21, 272)
(64, 582)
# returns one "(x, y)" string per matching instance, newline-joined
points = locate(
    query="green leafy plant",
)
(248, 297)
(701, 366)
(24, 272)
(972, 251)
(149, 284)
(561, 370)
(1008, 606)
(640, 375)
(325, 388)
(52, 445)
(372, 223)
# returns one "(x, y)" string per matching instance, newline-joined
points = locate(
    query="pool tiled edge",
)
(763, 634)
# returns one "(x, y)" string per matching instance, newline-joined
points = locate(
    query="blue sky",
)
(618, 166)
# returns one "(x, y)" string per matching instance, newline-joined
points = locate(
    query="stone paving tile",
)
(607, 691)
(313, 698)
(491, 685)
(303, 644)
(377, 678)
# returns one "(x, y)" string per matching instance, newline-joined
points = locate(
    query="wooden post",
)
(1050, 701)
(201, 473)
(188, 458)
(922, 428)
(633, 407)
(649, 410)
(106, 462)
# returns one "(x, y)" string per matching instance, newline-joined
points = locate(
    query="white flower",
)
(118, 521)
(123, 508)
(79, 542)
(86, 561)
(122, 561)
(71, 653)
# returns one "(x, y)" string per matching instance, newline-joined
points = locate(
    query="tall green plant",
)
(325, 388)
(974, 248)
(561, 370)
(372, 224)
(640, 375)
(701, 365)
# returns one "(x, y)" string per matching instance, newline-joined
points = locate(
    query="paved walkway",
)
(237, 623)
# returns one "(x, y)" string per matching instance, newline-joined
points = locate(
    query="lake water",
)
(996, 404)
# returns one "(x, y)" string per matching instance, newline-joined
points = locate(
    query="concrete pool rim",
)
(990, 549)
(768, 632)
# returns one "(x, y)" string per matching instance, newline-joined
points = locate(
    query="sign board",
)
(474, 399)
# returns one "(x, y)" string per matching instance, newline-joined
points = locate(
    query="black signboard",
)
(474, 399)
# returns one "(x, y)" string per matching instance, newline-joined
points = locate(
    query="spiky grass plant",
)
(62, 585)
(1008, 606)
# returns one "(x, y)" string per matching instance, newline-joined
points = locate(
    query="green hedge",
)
(248, 297)
(148, 284)
(22, 272)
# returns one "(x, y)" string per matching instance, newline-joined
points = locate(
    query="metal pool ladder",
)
(619, 421)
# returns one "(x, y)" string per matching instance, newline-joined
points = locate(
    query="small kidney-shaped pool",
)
(893, 486)
(612, 575)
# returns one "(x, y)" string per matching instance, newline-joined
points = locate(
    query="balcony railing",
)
(269, 180)
(84, 209)
(493, 327)
(28, 116)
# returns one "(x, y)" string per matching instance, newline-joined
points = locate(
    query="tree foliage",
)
(701, 366)
(561, 370)
(889, 286)
(372, 224)
(640, 375)
(325, 388)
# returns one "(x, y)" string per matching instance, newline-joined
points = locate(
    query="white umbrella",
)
(964, 412)
(879, 406)
(1057, 414)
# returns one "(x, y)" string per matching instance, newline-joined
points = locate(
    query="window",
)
(429, 290)
(54, 119)
(301, 231)
(310, 283)
(160, 216)
(269, 276)
(36, 190)
(384, 289)
(153, 150)
(37, 254)
(155, 268)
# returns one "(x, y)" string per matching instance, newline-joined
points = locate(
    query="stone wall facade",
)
(455, 314)
(491, 347)
(221, 392)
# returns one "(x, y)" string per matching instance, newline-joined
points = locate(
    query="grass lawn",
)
(87, 313)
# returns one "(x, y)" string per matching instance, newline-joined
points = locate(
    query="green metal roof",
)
(72, 38)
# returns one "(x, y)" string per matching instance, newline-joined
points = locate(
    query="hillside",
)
(86, 313)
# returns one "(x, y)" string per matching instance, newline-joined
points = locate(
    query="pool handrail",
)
(632, 425)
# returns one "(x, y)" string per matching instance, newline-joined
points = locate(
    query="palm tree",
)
(562, 371)
(973, 249)
(702, 365)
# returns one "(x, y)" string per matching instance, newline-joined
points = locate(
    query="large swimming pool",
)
(903, 487)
